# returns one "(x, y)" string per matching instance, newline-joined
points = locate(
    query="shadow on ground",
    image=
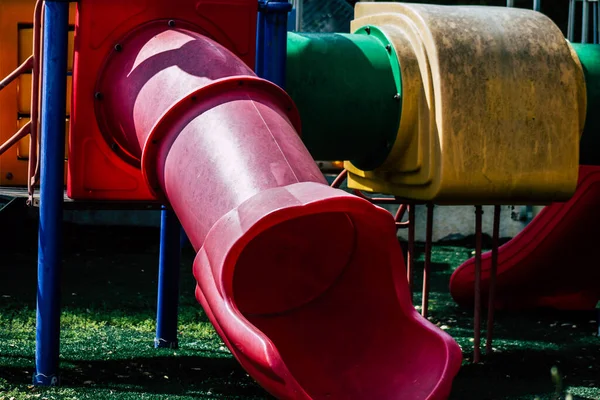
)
(160, 375)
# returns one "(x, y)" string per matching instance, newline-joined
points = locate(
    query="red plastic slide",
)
(552, 263)
(304, 283)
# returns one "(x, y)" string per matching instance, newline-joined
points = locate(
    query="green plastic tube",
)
(589, 149)
(347, 88)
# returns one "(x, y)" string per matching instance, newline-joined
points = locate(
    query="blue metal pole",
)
(271, 40)
(168, 280)
(52, 126)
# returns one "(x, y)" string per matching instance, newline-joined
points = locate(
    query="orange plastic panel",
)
(16, 21)
(96, 171)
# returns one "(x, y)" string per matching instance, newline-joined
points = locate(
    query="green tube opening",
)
(347, 88)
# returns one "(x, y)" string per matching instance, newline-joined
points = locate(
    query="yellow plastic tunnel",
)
(493, 106)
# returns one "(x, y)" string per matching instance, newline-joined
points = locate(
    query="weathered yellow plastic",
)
(493, 106)
(26, 44)
(16, 45)
(24, 94)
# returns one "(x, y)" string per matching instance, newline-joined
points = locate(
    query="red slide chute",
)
(304, 283)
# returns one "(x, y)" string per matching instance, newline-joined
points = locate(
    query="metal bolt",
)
(98, 96)
(368, 30)
(118, 47)
(9, 176)
(397, 96)
(171, 23)
(388, 47)
(114, 146)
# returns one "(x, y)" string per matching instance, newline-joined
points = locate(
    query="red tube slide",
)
(551, 263)
(304, 283)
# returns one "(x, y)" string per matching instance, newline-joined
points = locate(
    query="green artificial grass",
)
(109, 287)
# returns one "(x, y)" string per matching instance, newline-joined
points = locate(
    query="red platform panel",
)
(98, 168)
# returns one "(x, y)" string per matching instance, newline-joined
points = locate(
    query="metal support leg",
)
(595, 22)
(477, 317)
(571, 25)
(427, 266)
(585, 21)
(299, 11)
(168, 280)
(492, 290)
(410, 256)
(54, 75)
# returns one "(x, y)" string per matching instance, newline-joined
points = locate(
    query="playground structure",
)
(167, 107)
